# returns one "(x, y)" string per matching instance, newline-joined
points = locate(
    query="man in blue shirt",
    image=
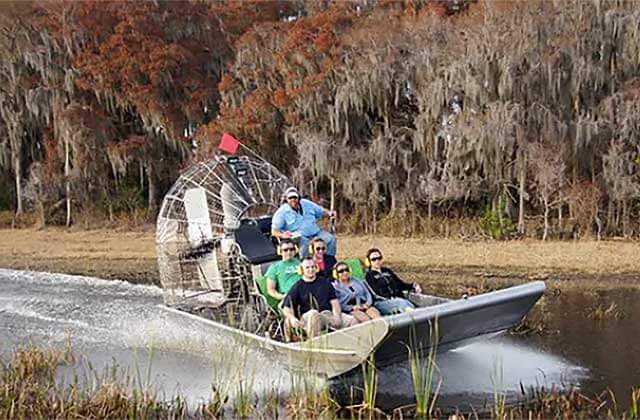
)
(298, 218)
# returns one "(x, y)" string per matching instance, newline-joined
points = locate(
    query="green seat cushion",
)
(356, 268)
(262, 287)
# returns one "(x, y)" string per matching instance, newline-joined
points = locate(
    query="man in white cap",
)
(298, 218)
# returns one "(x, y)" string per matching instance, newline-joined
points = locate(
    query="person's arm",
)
(278, 225)
(291, 317)
(272, 284)
(343, 299)
(336, 312)
(287, 309)
(272, 289)
(368, 299)
(319, 211)
(335, 308)
(403, 285)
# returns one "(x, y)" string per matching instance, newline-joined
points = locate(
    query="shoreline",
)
(446, 265)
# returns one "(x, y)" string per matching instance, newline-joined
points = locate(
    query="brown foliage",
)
(405, 103)
(584, 199)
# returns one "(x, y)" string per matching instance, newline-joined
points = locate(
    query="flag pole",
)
(247, 148)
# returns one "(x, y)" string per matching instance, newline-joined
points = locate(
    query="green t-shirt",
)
(285, 274)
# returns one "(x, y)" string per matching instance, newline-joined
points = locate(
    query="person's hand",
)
(333, 214)
(286, 235)
(295, 322)
(417, 288)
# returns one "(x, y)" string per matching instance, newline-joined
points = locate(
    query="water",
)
(608, 348)
(118, 324)
(111, 323)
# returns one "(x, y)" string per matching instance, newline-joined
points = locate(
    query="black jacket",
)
(329, 262)
(386, 283)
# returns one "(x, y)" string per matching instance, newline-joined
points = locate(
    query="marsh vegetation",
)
(30, 387)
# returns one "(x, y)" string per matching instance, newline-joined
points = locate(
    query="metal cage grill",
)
(199, 262)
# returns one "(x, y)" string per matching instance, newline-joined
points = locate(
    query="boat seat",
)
(261, 282)
(355, 265)
(255, 246)
(264, 223)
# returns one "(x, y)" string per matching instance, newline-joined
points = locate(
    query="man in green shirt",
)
(282, 275)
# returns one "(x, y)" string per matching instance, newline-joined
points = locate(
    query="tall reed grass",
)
(29, 389)
(634, 408)
(499, 409)
(423, 371)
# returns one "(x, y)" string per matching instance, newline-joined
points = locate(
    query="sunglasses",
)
(343, 270)
(320, 248)
(293, 197)
(288, 249)
(375, 258)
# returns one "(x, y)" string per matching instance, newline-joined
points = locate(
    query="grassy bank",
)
(439, 263)
(29, 389)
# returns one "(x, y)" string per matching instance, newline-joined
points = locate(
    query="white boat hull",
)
(459, 321)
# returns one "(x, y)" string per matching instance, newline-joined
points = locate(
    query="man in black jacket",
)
(387, 286)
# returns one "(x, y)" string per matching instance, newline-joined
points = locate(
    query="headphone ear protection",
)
(312, 249)
(334, 272)
(279, 250)
(367, 262)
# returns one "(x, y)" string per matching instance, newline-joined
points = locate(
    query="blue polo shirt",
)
(287, 219)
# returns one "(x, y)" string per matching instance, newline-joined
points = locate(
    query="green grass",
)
(423, 370)
(634, 408)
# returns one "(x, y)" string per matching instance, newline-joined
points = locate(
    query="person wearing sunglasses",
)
(387, 286)
(283, 275)
(311, 306)
(298, 218)
(354, 296)
(325, 262)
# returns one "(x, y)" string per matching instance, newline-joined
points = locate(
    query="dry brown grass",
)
(131, 255)
(590, 257)
(101, 253)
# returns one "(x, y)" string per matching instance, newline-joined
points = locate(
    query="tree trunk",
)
(151, 181)
(609, 215)
(67, 171)
(374, 217)
(560, 227)
(17, 167)
(546, 220)
(141, 176)
(523, 176)
(625, 218)
(394, 201)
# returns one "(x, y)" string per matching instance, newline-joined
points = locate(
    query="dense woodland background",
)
(440, 117)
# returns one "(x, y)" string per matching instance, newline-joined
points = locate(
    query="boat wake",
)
(114, 323)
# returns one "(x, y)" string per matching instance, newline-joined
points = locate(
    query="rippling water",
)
(114, 323)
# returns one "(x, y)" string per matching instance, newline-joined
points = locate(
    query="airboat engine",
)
(213, 232)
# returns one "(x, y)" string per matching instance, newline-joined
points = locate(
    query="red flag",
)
(229, 144)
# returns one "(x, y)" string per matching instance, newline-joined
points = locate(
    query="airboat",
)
(214, 244)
